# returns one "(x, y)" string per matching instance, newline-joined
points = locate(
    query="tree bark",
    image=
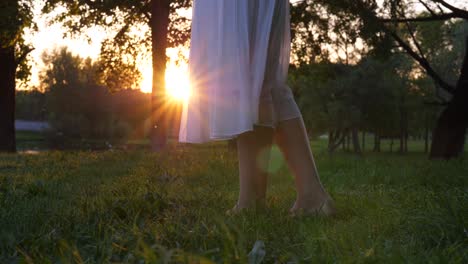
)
(403, 125)
(335, 139)
(159, 30)
(343, 144)
(363, 141)
(355, 139)
(406, 141)
(348, 141)
(7, 99)
(376, 142)
(448, 138)
(426, 137)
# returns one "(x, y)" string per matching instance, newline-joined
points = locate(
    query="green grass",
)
(27, 140)
(141, 207)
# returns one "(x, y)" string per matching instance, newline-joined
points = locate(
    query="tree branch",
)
(460, 12)
(415, 41)
(456, 13)
(423, 63)
(436, 17)
(436, 103)
(428, 8)
(23, 55)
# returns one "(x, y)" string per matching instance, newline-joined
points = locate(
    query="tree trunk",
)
(343, 144)
(406, 140)
(346, 141)
(159, 29)
(376, 142)
(403, 125)
(335, 139)
(363, 141)
(426, 137)
(402, 143)
(331, 141)
(7, 99)
(355, 139)
(448, 138)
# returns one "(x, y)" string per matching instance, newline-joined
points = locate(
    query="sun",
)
(177, 81)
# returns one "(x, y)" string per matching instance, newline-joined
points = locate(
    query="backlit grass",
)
(141, 207)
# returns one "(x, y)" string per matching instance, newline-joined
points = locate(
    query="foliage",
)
(381, 24)
(79, 106)
(131, 20)
(340, 31)
(121, 14)
(16, 17)
(134, 207)
(30, 105)
(382, 94)
(442, 43)
(368, 96)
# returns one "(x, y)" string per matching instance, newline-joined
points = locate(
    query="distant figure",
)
(239, 59)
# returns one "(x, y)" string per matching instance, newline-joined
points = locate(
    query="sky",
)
(49, 37)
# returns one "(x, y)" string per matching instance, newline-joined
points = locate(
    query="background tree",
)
(80, 106)
(30, 105)
(341, 100)
(15, 17)
(393, 22)
(149, 24)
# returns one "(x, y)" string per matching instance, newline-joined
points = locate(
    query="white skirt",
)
(238, 67)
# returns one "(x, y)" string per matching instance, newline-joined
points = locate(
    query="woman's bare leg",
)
(253, 150)
(293, 141)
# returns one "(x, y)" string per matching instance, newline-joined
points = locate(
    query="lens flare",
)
(177, 82)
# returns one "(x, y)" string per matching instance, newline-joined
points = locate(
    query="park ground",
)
(142, 207)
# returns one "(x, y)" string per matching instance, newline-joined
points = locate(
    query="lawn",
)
(141, 207)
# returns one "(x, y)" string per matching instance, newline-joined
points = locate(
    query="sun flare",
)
(177, 81)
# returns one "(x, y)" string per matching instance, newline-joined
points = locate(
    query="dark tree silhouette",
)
(15, 17)
(7, 99)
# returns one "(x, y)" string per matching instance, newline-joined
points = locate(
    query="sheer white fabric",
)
(239, 53)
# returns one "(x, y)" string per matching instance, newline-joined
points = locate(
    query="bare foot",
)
(237, 209)
(326, 208)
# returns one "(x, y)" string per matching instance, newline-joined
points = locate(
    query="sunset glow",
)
(177, 81)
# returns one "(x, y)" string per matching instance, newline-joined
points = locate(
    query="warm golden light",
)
(177, 80)
(147, 82)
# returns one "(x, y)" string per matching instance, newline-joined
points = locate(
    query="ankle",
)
(259, 203)
(312, 200)
(324, 208)
(312, 197)
(246, 203)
